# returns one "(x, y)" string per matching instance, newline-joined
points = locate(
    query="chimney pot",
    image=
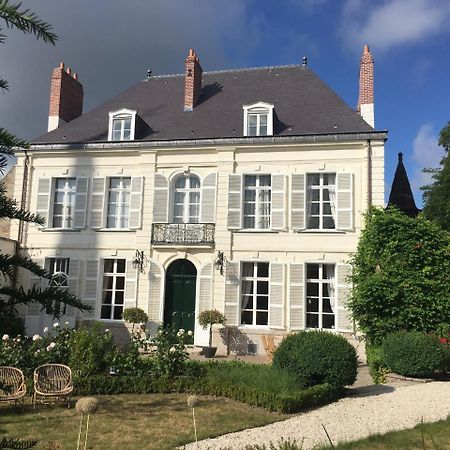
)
(192, 81)
(365, 105)
(66, 97)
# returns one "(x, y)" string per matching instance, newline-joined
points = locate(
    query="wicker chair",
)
(52, 382)
(14, 381)
(269, 345)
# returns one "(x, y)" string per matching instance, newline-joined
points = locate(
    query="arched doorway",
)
(179, 301)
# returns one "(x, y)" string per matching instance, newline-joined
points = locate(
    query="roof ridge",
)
(244, 69)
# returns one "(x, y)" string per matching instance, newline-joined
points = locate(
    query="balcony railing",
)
(183, 233)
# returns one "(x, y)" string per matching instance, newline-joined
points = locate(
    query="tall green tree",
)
(13, 16)
(400, 275)
(436, 196)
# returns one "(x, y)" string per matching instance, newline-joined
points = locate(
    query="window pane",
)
(120, 266)
(247, 318)
(326, 209)
(120, 283)
(249, 209)
(312, 321)
(127, 124)
(252, 120)
(249, 195)
(126, 182)
(114, 183)
(194, 197)
(117, 124)
(111, 222)
(265, 180)
(247, 302)
(328, 223)
(107, 282)
(315, 208)
(118, 312)
(314, 195)
(126, 135)
(247, 287)
(263, 131)
(195, 182)
(247, 269)
(262, 318)
(263, 287)
(60, 183)
(262, 302)
(313, 179)
(313, 223)
(249, 222)
(329, 178)
(119, 298)
(312, 271)
(180, 183)
(326, 308)
(312, 304)
(328, 321)
(107, 297)
(108, 266)
(106, 312)
(263, 270)
(312, 289)
(263, 120)
(250, 180)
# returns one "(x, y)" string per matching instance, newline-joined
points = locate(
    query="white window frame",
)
(186, 201)
(255, 279)
(67, 217)
(122, 114)
(258, 109)
(320, 281)
(120, 202)
(257, 189)
(58, 262)
(320, 188)
(114, 274)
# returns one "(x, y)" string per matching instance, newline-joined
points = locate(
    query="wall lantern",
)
(139, 260)
(219, 263)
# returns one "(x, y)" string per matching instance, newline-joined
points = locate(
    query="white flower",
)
(46, 330)
(180, 332)
(56, 325)
(36, 337)
(66, 323)
(160, 331)
(17, 339)
(5, 337)
(37, 352)
(190, 333)
(51, 346)
(172, 349)
(107, 330)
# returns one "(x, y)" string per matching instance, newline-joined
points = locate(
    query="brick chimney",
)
(66, 97)
(192, 81)
(365, 102)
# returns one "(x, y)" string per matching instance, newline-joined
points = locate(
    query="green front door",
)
(179, 305)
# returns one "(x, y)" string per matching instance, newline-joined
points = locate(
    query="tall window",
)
(320, 296)
(121, 128)
(113, 291)
(58, 268)
(118, 202)
(321, 201)
(257, 201)
(255, 293)
(186, 200)
(64, 202)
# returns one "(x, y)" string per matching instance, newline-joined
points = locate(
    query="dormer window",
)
(258, 119)
(122, 125)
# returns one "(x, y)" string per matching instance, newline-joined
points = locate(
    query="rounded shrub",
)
(413, 354)
(317, 357)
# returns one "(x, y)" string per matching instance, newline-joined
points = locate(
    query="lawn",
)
(436, 436)
(136, 422)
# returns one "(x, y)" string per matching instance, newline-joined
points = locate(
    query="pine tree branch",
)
(8, 265)
(26, 21)
(10, 210)
(3, 83)
(8, 141)
(51, 299)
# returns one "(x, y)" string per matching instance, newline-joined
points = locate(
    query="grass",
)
(137, 422)
(436, 436)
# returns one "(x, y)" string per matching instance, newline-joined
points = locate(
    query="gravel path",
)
(375, 409)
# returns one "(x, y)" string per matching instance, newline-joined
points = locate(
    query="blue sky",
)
(111, 44)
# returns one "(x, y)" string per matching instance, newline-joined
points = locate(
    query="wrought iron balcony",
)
(183, 233)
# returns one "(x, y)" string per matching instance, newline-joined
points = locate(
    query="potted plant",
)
(134, 316)
(207, 319)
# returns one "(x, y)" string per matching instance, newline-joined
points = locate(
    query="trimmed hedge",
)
(318, 357)
(413, 353)
(209, 383)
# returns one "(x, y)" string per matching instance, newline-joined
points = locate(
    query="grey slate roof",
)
(304, 105)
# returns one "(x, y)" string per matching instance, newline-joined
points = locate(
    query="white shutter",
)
(208, 199)
(343, 315)
(155, 293)
(73, 280)
(232, 287)
(161, 199)
(276, 296)
(344, 201)
(203, 302)
(34, 308)
(297, 297)
(278, 221)
(43, 199)
(137, 185)
(298, 199)
(97, 202)
(130, 285)
(79, 219)
(234, 201)
(93, 273)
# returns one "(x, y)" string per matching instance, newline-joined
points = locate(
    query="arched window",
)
(258, 119)
(186, 199)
